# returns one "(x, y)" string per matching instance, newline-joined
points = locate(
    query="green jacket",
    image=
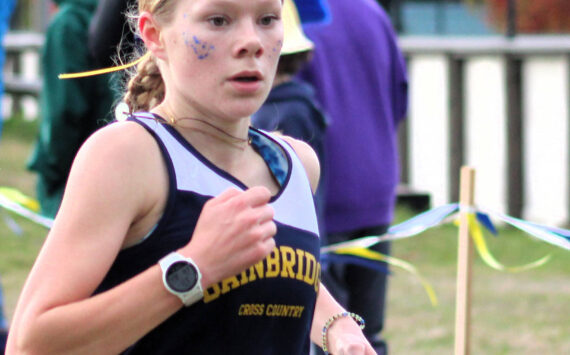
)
(72, 109)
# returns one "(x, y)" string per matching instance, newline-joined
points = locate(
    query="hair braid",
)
(145, 89)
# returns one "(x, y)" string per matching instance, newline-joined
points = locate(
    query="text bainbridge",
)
(283, 262)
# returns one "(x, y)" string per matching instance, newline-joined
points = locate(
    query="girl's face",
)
(220, 56)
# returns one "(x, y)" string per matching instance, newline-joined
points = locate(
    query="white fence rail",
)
(22, 76)
(500, 105)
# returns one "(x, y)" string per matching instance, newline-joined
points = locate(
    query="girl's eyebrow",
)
(217, 4)
(229, 4)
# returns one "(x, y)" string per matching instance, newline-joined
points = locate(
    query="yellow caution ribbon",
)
(376, 256)
(481, 246)
(19, 198)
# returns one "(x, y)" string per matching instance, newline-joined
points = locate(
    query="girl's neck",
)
(197, 129)
(229, 150)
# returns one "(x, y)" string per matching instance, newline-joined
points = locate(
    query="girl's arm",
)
(116, 192)
(344, 336)
(110, 187)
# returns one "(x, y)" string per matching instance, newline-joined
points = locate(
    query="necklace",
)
(238, 142)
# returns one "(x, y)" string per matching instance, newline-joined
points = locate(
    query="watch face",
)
(181, 276)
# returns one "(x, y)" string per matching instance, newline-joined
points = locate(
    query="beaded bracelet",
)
(358, 319)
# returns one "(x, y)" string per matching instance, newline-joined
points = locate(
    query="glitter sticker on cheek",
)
(277, 49)
(202, 49)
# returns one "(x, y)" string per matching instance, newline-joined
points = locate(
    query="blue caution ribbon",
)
(422, 222)
(11, 223)
(555, 236)
(406, 229)
(485, 221)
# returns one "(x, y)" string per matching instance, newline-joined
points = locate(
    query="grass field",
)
(521, 313)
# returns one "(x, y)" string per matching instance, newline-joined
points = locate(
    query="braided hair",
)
(145, 89)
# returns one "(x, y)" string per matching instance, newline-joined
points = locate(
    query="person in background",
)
(6, 9)
(111, 40)
(360, 79)
(183, 230)
(109, 32)
(291, 106)
(70, 110)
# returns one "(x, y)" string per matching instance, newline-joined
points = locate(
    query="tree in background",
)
(532, 16)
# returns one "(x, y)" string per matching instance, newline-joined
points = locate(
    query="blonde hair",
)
(145, 88)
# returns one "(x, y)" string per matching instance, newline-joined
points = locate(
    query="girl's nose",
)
(249, 42)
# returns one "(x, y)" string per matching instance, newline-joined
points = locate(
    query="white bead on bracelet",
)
(358, 319)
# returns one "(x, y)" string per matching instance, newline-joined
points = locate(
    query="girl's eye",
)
(268, 20)
(218, 21)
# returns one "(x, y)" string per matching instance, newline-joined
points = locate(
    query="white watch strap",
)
(189, 297)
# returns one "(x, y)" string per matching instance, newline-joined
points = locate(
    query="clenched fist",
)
(235, 230)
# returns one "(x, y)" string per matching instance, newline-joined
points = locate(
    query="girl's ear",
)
(151, 34)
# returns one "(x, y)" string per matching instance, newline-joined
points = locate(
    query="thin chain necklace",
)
(235, 141)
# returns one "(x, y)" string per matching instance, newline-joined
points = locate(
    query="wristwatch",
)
(181, 277)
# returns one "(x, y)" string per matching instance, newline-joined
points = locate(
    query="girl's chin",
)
(244, 109)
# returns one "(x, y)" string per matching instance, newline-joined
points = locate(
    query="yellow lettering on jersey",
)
(287, 261)
(284, 261)
(259, 268)
(272, 263)
(211, 293)
(233, 281)
(311, 269)
(243, 277)
(251, 309)
(318, 278)
(300, 258)
(269, 311)
(284, 310)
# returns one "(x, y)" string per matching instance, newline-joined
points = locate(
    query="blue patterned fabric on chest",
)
(272, 154)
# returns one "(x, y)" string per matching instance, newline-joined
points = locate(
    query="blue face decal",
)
(202, 49)
(277, 49)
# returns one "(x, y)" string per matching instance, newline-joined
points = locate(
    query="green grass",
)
(17, 253)
(512, 313)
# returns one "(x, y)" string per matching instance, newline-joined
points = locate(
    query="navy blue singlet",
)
(267, 309)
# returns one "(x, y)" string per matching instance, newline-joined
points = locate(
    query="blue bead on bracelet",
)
(358, 319)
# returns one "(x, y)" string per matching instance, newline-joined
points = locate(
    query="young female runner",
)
(183, 230)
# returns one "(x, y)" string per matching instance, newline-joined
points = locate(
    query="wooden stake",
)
(464, 263)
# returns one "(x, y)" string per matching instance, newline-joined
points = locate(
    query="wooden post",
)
(464, 263)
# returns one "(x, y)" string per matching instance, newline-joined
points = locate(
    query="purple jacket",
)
(359, 75)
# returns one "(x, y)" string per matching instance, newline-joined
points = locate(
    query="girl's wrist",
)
(340, 323)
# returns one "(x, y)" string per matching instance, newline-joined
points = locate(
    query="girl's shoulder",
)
(122, 151)
(120, 167)
(119, 140)
(308, 158)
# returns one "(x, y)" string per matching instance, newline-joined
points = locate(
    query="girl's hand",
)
(346, 338)
(235, 230)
